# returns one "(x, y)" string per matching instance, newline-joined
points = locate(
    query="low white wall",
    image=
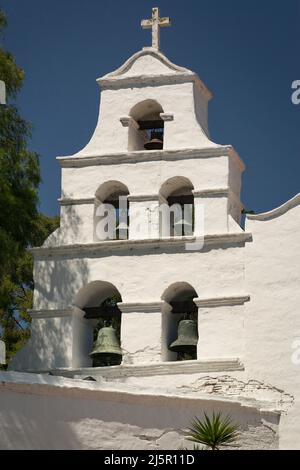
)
(53, 413)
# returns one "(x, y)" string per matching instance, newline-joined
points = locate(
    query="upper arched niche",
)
(147, 110)
(178, 185)
(178, 301)
(177, 207)
(95, 293)
(179, 291)
(111, 211)
(111, 190)
(146, 131)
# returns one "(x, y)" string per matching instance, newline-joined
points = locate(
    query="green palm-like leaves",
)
(213, 432)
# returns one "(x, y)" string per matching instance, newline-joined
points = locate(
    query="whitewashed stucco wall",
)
(147, 177)
(148, 78)
(273, 316)
(212, 272)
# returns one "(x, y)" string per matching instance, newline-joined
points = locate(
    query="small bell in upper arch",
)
(155, 142)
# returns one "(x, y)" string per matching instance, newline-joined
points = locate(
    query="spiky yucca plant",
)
(213, 432)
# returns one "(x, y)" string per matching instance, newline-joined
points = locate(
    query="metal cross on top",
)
(155, 23)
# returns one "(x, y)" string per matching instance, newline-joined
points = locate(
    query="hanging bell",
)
(156, 141)
(107, 351)
(186, 343)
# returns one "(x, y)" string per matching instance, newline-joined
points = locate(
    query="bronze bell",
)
(107, 351)
(186, 343)
(156, 141)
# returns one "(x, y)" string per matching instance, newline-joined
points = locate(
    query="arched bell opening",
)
(179, 323)
(177, 212)
(99, 302)
(111, 213)
(148, 134)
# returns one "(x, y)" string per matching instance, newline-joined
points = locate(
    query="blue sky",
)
(247, 53)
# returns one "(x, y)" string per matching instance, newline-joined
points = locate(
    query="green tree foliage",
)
(213, 433)
(21, 224)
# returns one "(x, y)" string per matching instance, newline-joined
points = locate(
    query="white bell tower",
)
(175, 238)
(202, 315)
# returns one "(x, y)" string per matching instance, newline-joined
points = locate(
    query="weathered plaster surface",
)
(42, 412)
(232, 387)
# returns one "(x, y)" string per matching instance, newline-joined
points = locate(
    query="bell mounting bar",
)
(146, 125)
(187, 306)
(104, 310)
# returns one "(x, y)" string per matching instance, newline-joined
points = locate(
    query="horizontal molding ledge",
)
(154, 307)
(144, 307)
(145, 197)
(140, 307)
(211, 192)
(57, 313)
(221, 192)
(77, 201)
(118, 158)
(129, 245)
(161, 368)
(218, 192)
(222, 301)
(150, 80)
